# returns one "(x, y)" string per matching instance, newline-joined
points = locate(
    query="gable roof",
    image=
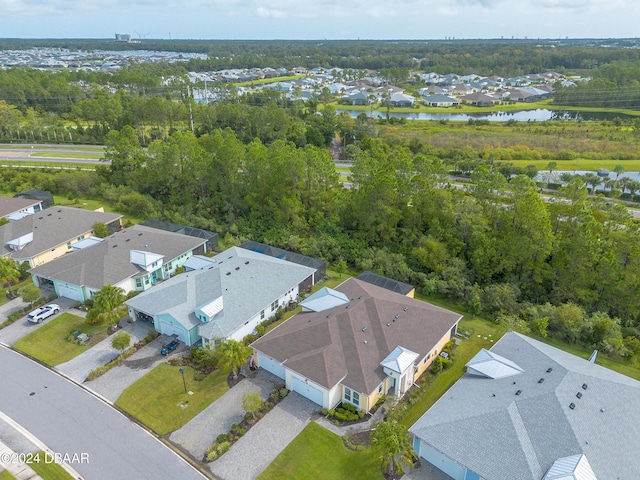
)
(345, 344)
(50, 228)
(578, 408)
(399, 359)
(575, 467)
(324, 299)
(109, 262)
(248, 282)
(492, 365)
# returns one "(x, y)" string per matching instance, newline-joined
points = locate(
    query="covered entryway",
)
(307, 391)
(169, 329)
(70, 291)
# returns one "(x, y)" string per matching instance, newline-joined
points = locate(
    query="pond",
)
(538, 115)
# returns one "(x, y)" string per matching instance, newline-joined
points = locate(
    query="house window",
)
(262, 315)
(138, 283)
(68, 244)
(146, 280)
(274, 305)
(351, 397)
(381, 388)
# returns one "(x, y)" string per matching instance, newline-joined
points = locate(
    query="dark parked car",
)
(169, 347)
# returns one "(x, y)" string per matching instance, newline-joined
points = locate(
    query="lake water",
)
(538, 115)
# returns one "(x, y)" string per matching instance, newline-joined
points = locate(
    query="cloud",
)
(270, 13)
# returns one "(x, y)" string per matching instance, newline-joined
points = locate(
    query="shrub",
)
(324, 412)
(283, 392)
(221, 438)
(436, 366)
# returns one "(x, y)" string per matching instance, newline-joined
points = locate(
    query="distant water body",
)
(539, 115)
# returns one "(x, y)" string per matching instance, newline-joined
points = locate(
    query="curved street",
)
(69, 420)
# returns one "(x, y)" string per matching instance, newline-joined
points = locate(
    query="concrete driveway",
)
(102, 352)
(115, 381)
(22, 327)
(250, 455)
(198, 435)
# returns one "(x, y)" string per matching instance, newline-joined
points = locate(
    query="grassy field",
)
(158, 399)
(92, 204)
(50, 471)
(87, 155)
(264, 81)
(581, 164)
(318, 453)
(47, 165)
(49, 343)
(5, 475)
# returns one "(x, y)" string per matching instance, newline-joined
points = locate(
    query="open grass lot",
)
(39, 164)
(581, 164)
(318, 453)
(92, 204)
(50, 471)
(158, 398)
(5, 475)
(49, 343)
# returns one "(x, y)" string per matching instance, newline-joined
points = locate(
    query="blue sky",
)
(319, 19)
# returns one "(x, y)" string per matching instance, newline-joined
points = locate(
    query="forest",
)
(260, 168)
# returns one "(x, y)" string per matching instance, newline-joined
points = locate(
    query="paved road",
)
(70, 420)
(23, 152)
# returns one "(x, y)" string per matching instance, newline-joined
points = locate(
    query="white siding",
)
(127, 285)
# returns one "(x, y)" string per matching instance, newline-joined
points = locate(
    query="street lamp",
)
(184, 382)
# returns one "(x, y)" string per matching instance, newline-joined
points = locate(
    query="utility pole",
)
(190, 109)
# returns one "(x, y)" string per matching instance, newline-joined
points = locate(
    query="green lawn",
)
(318, 453)
(87, 155)
(50, 345)
(580, 164)
(158, 398)
(463, 353)
(50, 471)
(5, 475)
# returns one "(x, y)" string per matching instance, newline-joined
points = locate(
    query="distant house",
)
(440, 100)
(226, 299)
(357, 97)
(355, 343)
(17, 208)
(401, 100)
(529, 411)
(479, 99)
(51, 233)
(135, 258)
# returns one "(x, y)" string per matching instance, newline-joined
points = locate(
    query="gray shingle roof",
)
(248, 281)
(51, 227)
(109, 261)
(10, 205)
(329, 346)
(484, 425)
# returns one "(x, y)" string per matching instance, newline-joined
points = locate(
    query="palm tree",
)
(618, 169)
(9, 274)
(391, 442)
(593, 180)
(232, 355)
(107, 305)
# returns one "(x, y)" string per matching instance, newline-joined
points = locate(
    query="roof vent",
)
(114, 246)
(602, 410)
(397, 317)
(40, 218)
(572, 406)
(541, 380)
(365, 342)
(388, 324)
(584, 386)
(247, 262)
(127, 239)
(49, 214)
(139, 234)
(579, 395)
(328, 316)
(228, 273)
(364, 329)
(405, 309)
(518, 392)
(237, 268)
(514, 383)
(59, 211)
(549, 370)
(230, 257)
(493, 394)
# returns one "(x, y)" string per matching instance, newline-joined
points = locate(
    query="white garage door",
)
(307, 390)
(170, 329)
(68, 291)
(271, 365)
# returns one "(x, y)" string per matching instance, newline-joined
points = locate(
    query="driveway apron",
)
(250, 455)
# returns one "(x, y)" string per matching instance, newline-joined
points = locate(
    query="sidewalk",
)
(18, 469)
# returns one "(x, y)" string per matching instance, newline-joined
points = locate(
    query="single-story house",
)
(529, 411)
(135, 258)
(51, 233)
(17, 208)
(211, 239)
(439, 100)
(401, 100)
(357, 98)
(479, 99)
(355, 343)
(225, 300)
(320, 266)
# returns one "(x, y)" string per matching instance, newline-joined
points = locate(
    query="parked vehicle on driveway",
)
(169, 347)
(39, 314)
